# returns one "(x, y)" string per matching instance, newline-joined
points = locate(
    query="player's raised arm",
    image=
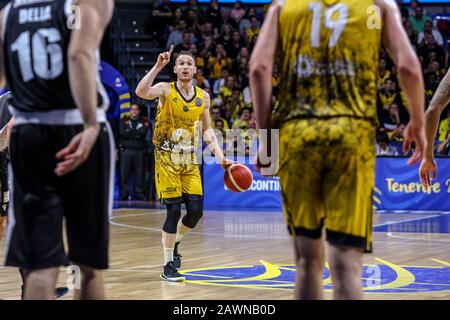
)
(209, 136)
(145, 88)
(409, 74)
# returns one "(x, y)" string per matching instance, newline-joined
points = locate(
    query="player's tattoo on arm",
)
(442, 95)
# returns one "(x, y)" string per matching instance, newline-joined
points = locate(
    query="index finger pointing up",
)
(170, 50)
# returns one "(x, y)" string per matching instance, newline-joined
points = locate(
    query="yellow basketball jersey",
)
(329, 59)
(177, 120)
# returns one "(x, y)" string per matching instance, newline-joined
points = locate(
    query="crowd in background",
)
(222, 39)
(392, 106)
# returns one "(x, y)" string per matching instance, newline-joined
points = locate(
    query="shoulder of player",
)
(103, 7)
(277, 5)
(386, 5)
(206, 97)
(165, 86)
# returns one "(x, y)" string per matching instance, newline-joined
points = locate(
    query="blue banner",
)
(264, 192)
(397, 187)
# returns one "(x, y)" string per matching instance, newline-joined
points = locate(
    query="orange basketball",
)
(238, 178)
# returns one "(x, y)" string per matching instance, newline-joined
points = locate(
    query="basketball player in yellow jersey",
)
(327, 119)
(181, 108)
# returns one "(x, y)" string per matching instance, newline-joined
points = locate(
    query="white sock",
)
(179, 237)
(168, 255)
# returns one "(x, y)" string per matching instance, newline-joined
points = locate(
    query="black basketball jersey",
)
(36, 41)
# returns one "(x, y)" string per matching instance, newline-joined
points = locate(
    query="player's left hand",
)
(414, 133)
(226, 163)
(77, 151)
(427, 170)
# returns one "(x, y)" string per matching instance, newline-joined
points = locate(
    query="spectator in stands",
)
(216, 115)
(162, 18)
(427, 46)
(243, 71)
(419, 19)
(383, 73)
(213, 13)
(444, 128)
(227, 90)
(225, 36)
(252, 33)
(193, 5)
(431, 84)
(207, 47)
(443, 148)
(200, 62)
(245, 22)
(436, 34)
(412, 34)
(225, 17)
(242, 122)
(237, 100)
(236, 44)
(192, 21)
(383, 148)
(200, 79)
(176, 36)
(218, 61)
(238, 12)
(178, 15)
(207, 30)
(247, 96)
(241, 61)
(434, 68)
(219, 126)
(185, 45)
(220, 82)
(230, 113)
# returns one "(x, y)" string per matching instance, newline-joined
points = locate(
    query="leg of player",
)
(170, 272)
(310, 260)
(91, 285)
(40, 284)
(346, 270)
(188, 223)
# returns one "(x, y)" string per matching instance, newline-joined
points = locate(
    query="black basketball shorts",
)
(40, 200)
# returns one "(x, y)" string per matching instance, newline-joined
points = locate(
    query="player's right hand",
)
(164, 58)
(427, 170)
(77, 151)
(414, 133)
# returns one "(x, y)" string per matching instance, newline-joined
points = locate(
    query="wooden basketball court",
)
(248, 255)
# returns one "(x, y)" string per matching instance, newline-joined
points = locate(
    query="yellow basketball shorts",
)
(176, 179)
(327, 177)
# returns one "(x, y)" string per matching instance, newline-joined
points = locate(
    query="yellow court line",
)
(403, 277)
(442, 262)
(203, 275)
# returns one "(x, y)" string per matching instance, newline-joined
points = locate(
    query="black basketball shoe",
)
(176, 256)
(171, 274)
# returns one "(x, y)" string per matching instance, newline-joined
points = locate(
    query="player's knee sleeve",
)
(194, 213)
(173, 216)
